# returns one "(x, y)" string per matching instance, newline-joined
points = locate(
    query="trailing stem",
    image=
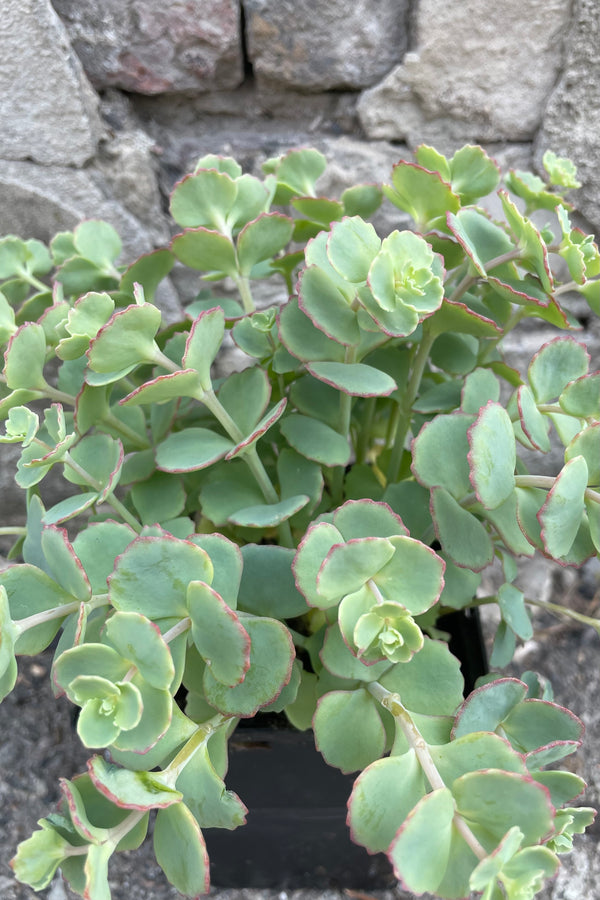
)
(393, 704)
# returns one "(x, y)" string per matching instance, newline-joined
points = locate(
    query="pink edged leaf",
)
(348, 729)
(316, 440)
(462, 536)
(191, 450)
(126, 340)
(352, 245)
(381, 799)
(267, 585)
(205, 250)
(181, 851)
(581, 397)
(152, 575)
(454, 316)
(327, 306)
(205, 795)
(271, 659)
(534, 252)
(356, 379)
(557, 363)
(481, 239)
(348, 566)
(524, 291)
(536, 426)
(185, 383)
(261, 428)
(203, 198)
(139, 641)
(312, 550)
(148, 270)
(367, 518)
(77, 812)
(422, 194)
(444, 439)
(413, 577)
(154, 723)
(341, 661)
(269, 515)
(261, 239)
(561, 514)
(131, 790)
(203, 344)
(431, 683)
(533, 724)
(245, 395)
(64, 563)
(420, 851)
(493, 801)
(586, 443)
(303, 339)
(487, 706)
(492, 455)
(550, 753)
(219, 636)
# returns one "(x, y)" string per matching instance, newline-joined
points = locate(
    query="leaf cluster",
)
(284, 538)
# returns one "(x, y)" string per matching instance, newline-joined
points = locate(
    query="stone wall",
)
(104, 105)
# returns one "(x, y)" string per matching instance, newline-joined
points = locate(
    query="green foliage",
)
(284, 539)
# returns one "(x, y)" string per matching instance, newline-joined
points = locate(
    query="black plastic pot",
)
(296, 835)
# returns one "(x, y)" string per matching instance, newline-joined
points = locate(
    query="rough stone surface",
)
(150, 47)
(343, 45)
(480, 71)
(38, 202)
(48, 111)
(571, 126)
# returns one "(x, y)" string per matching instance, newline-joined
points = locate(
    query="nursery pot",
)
(296, 833)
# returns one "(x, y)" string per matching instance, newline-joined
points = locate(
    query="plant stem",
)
(181, 627)
(546, 604)
(59, 612)
(408, 398)
(548, 482)
(393, 703)
(33, 281)
(243, 286)
(13, 529)
(190, 748)
(110, 498)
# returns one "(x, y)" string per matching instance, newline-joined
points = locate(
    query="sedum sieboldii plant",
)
(284, 538)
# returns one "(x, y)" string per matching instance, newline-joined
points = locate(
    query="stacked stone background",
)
(104, 105)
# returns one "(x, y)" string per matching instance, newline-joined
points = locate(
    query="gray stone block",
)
(152, 47)
(571, 125)
(48, 111)
(480, 71)
(340, 45)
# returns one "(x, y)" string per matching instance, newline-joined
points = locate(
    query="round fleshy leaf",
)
(269, 515)
(535, 426)
(431, 683)
(312, 550)
(261, 239)
(205, 795)
(29, 590)
(191, 450)
(582, 397)
(64, 564)
(355, 379)
(219, 636)
(204, 198)
(558, 362)
(316, 440)
(586, 443)
(181, 851)
(462, 536)
(560, 516)
(348, 566)
(130, 790)
(420, 852)
(381, 799)
(267, 585)
(25, 357)
(492, 456)
(126, 340)
(205, 250)
(487, 707)
(203, 343)
(424, 195)
(303, 339)
(351, 248)
(185, 383)
(151, 577)
(140, 642)
(348, 729)
(494, 801)
(413, 577)
(444, 438)
(97, 241)
(328, 306)
(271, 658)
